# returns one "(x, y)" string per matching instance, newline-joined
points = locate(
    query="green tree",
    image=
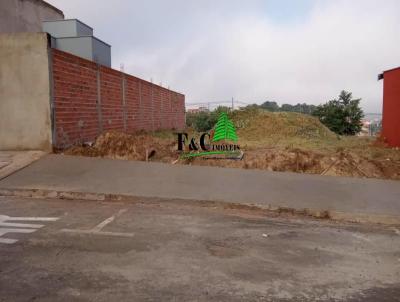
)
(224, 129)
(274, 107)
(270, 106)
(343, 115)
(204, 120)
(217, 111)
(201, 121)
(252, 107)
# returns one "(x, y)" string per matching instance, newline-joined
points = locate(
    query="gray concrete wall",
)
(60, 29)
(101, 52)
(83, 30)
(26, 15)
(25, 119)
(67, 28)
(88, 47)
(79, 46)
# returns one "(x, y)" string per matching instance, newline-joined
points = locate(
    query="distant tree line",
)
(342, 115)
(274, 107)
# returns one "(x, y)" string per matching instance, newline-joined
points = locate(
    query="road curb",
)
(315, 213)
(52, 194)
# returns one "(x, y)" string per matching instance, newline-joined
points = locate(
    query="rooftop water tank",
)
(76, 37)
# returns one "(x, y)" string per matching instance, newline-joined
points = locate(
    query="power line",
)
(218, 102)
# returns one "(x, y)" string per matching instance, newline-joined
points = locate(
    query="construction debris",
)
(117, 145)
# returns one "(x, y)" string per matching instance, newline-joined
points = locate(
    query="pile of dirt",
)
(138, 146)
(271, 159)
(340, 163)
(260, 124)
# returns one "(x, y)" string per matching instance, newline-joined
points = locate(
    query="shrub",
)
(205, 120)
(343, 115)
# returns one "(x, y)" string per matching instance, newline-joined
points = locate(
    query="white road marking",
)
(396, 231)
(7, 241)
(25, 228)
(101, 225)
(97, 229)
(91, 232)
(21, 225)
(3, 218)
(25, 231)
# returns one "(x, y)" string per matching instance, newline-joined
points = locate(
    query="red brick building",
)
(391, 106)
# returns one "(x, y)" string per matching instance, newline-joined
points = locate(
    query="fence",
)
(89, 99)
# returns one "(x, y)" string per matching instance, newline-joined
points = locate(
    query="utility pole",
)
(232, 104)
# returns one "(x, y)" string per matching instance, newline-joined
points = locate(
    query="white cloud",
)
(213, 50)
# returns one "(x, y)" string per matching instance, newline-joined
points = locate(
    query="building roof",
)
(67, 20)
(392, 69)
(381, 75)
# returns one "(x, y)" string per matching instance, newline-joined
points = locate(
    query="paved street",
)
(169, 250)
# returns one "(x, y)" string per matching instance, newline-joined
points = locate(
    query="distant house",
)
(391, 106)
(198, 110)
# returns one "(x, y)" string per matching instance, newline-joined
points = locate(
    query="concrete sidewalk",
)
(345, 198)
(12, 161)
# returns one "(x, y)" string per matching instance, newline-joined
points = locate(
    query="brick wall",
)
(89, 99)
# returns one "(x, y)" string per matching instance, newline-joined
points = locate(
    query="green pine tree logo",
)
(224, 129)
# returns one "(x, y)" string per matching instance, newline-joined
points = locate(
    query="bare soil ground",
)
(272, 141)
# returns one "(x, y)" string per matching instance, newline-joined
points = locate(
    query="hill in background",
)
(257, 127)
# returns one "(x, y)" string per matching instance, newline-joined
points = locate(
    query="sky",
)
(288, 51)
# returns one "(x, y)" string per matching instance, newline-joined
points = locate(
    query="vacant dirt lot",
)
(271, 141)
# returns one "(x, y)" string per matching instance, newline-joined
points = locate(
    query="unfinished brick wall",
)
(89, 99)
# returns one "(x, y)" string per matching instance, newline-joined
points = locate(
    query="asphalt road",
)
(185, 251)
